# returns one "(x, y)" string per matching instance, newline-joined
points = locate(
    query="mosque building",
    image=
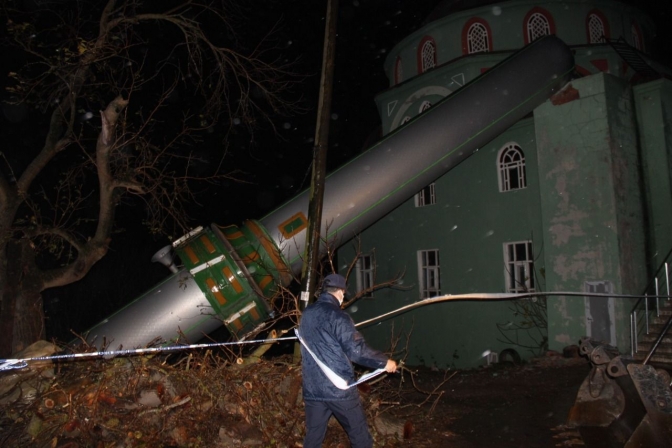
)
(576, 197)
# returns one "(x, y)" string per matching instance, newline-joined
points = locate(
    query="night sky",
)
(277, 165)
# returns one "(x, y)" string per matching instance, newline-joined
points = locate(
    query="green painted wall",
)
(506, 23)
(582, 209)
(468, 225)
(654, 112)
(585, 207)
(405, 100)
(455, 68)
(590, 204)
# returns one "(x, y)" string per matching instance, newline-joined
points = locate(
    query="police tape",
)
(19, 363)
(12, 364)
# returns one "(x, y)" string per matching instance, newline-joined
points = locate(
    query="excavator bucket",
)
(622, 403)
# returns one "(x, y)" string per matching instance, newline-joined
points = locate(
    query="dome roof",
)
(447, 7)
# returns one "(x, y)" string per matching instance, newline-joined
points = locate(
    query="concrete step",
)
(656, 328)
(645, 344)
(652, 337)
(663, 314)
(662, 350)
(663, 355)
(663, 306)
(658, 361)
(659, 318)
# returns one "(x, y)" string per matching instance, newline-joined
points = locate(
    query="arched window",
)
(637, 40)
(538, 23)
(424, 106)
(404, 120)
(398, 72)
(597, 27)
(426, 54)
(476, 36)
(511, 168)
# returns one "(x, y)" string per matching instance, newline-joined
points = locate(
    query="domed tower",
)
(574, 197)
(460, 39)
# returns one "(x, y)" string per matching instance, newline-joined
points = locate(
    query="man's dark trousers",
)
(349, 414)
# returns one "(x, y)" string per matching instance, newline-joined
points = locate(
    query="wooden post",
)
(311, 255)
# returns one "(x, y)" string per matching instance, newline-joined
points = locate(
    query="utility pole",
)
(312, 247)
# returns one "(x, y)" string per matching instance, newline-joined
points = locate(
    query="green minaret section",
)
(228, 266)
(591, 210)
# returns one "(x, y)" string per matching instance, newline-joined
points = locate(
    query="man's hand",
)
(391, 366)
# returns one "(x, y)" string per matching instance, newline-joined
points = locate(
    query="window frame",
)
(603, 21)
(429, 273)
(424, 106)
(465, 35)
(512, 268)
(637, 36)
(426, 196)
(532, 13)
(504, 169)
(398, 71)
(427, 40)
(364, 275)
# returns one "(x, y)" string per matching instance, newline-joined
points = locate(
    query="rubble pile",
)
(198, 400)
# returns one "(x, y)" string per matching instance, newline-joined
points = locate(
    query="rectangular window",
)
(429, 273)
(426, 196)
(519, 262)
(364, 274)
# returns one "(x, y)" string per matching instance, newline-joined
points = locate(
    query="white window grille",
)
(429, 273)
(405, 120)
(364, 270)
(636, 38)
(428, 55)
(426, 196)
(595, 29)
(512, 174)
(537, 26)
(477, 38)
(424, 106)
(519, 262)
(398, 72)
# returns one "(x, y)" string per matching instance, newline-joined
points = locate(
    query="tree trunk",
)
(21, 311)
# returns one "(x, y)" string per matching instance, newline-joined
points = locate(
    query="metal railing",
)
(649, 307)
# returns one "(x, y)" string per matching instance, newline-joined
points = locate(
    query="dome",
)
(448, 7)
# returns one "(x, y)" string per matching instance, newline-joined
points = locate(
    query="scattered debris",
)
(202, 400)
(210, 399)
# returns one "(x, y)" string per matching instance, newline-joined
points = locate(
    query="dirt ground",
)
(502, 405)
(204, 400)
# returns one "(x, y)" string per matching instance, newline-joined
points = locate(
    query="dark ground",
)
(502, 406)
(207, 400)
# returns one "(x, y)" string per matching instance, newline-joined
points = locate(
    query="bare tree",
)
(375, 284)
(162, 75)
(530, 314)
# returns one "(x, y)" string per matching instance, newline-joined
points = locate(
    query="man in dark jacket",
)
(330, 334)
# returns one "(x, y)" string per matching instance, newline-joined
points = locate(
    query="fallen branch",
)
(165, 408)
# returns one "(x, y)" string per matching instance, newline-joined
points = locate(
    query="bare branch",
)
(158, 98)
